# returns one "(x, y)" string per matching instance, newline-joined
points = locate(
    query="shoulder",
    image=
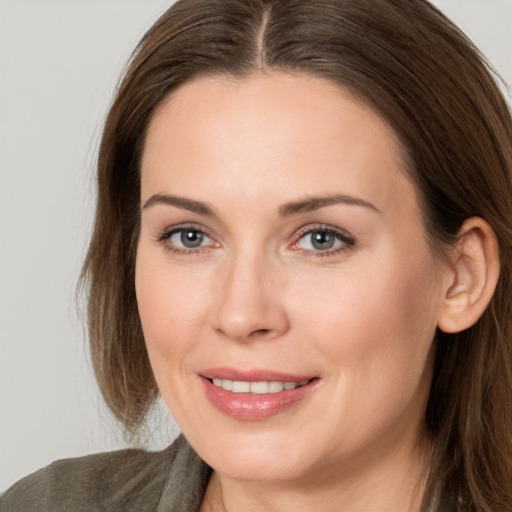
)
(120, 480)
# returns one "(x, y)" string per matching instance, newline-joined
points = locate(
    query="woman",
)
(302, 242)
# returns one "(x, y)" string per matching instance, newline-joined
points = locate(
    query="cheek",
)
(173, 305)
(172, 309)
(377, 306)
(375, 325)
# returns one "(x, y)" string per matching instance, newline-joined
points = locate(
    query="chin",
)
(262, 458)
(262, 469)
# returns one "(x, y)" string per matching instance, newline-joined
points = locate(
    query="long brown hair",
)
(411, 64)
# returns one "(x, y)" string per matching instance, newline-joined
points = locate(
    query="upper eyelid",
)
(310, 228)
(168, 231)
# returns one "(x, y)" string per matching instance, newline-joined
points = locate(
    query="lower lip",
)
(253, 407)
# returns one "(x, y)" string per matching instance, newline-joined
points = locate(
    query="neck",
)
(396, 483)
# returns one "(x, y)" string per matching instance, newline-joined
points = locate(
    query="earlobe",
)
(472, 277)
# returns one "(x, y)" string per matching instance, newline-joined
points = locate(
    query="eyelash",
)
(348, 242)
(164, 236)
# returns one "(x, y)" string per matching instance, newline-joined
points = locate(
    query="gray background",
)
(59, 62)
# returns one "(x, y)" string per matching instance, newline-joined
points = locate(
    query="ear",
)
(473, 272)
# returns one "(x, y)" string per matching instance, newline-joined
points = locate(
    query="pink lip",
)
(253, 407)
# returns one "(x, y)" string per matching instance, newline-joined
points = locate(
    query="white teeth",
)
(275, 387)
(259, 388)
(227, 384)
(240, 387)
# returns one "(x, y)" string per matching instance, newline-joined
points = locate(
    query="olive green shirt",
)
(173, 480)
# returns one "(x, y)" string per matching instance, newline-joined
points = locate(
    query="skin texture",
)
(256, 294)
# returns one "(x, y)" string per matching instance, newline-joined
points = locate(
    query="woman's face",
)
(282, 247)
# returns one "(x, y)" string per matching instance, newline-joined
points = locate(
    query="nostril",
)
(260, 332)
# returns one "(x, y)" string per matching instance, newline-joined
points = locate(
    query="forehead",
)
(274, 136)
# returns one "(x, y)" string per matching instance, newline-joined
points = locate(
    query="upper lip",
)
(253, 375)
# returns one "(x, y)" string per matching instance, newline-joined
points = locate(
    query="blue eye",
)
(324, 240)
(188, 238)
(185, 240)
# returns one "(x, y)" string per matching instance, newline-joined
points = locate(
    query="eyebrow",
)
(315, 203)
(287, 210)
(180, 202)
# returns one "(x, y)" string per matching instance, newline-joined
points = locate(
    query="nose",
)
(249, 304)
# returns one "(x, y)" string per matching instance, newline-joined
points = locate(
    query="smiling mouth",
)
(257, 387)
(255, 399)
